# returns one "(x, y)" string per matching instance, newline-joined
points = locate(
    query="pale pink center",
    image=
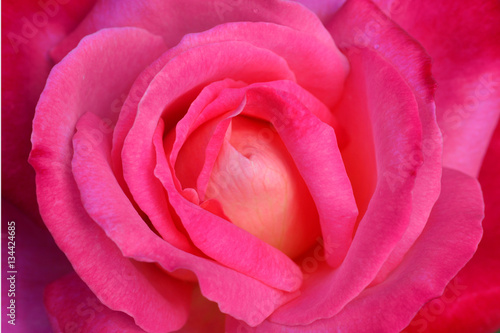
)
(261, 190)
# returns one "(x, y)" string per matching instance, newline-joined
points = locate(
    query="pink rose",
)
(252, 166)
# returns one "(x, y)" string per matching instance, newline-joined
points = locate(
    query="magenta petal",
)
(94, 257)
(91, 170)
(170, 93)
(391, 106)
(462, 39)
(72, 307)
(313, 147)
(237, 294)
(224, 241)
(409, 58)
(173, 20)
(470, 302)
(442, 248)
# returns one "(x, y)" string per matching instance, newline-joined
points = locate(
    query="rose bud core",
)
(257, 186)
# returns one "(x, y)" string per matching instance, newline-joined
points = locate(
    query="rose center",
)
(260, 189)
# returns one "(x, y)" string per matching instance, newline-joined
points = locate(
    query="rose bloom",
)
(251, 166)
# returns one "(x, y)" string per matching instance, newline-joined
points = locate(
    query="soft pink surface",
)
(470, 303)
(94, 257)
(173, 20)
(98, 190)
(397, 134)
(110, 208)
(413, 64)
(462, 39)
(442, 248)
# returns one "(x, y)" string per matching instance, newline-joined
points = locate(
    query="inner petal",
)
(260, 189)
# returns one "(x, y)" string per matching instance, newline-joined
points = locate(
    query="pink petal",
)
(462, 39)
(172, 90)
(92, 174)
(320, 165)
(440, 251)
(29, 30)
(224, 241)
(382, 95)
(369, 28)
(108, 205)
(38, 261)
(318, 65)
(173, 20)
(72, 307)
(293, 44)
(94, 257)
(470, 301)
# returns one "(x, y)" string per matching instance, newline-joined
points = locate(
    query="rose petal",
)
(72, 307)
(369, 28)
(434, 259)
(391, 106)
(462, 39)
(173, 20)
(224, 241)
(111, 209)
(170, 93)
(99, 263)
(89, 169)
(470, 301)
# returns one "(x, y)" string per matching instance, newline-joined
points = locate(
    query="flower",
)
(302, 176)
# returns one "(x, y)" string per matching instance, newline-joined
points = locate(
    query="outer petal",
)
(94, 257)
(376, 90)
(38, 262)
(72, 307)
(462, 39)
(471, 302)
(173, 19)
(29, 30)
(91, 175)
(370, 29)
(442, 249)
